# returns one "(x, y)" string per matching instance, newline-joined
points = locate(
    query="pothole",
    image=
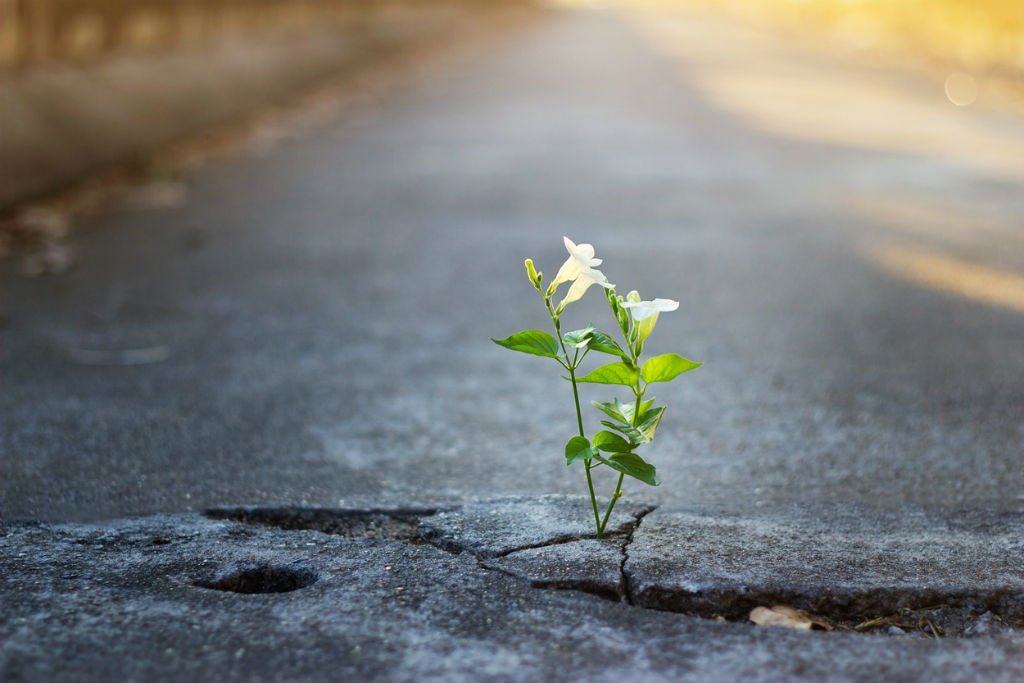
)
(392, 525)
(252, 578)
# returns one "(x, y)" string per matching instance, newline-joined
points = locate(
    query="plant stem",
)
(611, 506)
(586, 464)
(579, 413)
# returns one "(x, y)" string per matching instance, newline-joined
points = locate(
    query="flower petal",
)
(665, 305)
(582, 284)
(570, 270)
(641, 310)
(584, 252)
(646, 326)
(576, 292)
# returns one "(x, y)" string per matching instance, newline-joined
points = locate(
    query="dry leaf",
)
(788, 617)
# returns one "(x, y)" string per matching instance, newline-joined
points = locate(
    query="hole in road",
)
(252, 578)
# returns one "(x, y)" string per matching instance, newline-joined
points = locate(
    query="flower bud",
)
(532, 273)
(621, 316)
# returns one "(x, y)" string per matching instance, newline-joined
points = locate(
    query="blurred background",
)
(982, 36)
(90, 83)
(280, 232)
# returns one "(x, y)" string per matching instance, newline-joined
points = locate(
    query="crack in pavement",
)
(525, 538)
(588, 569)
(627, 593)
(859, 573)
(454, 548)
(540, 569)
(206, 587)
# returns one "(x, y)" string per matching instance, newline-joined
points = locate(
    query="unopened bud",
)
(532, 273)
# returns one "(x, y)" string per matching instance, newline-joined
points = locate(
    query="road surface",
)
(311, 327)
(844, 242)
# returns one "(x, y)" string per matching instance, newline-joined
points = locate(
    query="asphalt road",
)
(845, 242)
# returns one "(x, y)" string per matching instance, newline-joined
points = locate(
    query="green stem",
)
(586, 465)
(611, 506)
(579, 414)
(576, 400)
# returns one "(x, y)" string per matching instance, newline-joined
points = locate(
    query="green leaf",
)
(649, 421)
(611, 442)
(633, 465)
(623, 412)
(578, 338)
(599, 341)
(534, 342)
(626, 410)
(578, 448)
(666, 368)
(630, 432)
(613, 373)
(612, 410)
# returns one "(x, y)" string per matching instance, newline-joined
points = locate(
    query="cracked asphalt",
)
(313, 595)
(847, 249)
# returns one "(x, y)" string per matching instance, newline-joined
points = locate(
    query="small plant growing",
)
(632, 423)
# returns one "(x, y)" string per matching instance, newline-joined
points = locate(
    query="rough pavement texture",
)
(326, 347)
(494, 528)
(126, 600)
(851, 563)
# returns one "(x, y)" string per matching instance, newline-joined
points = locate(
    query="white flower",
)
(578, 269)
(581, 260)
(582, 283)
(641, 310)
